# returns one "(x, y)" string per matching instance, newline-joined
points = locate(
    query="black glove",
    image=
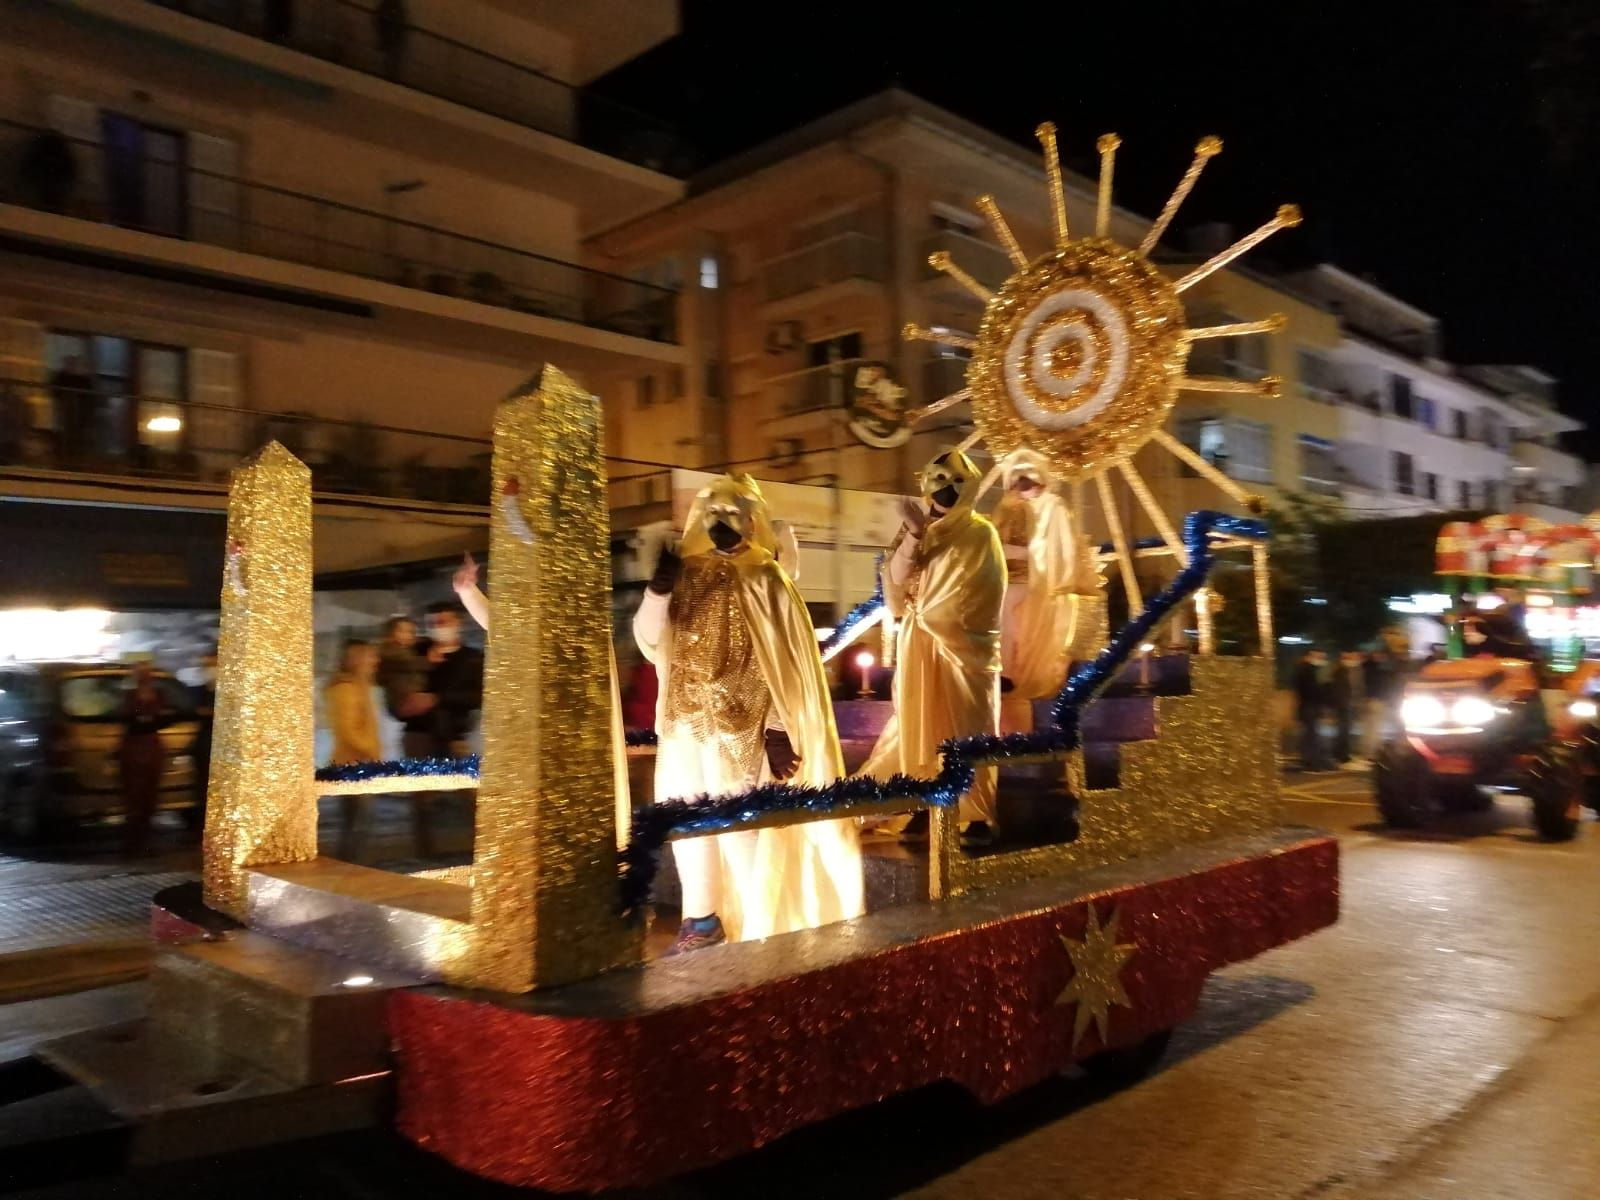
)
(668, 567)
(780, 754)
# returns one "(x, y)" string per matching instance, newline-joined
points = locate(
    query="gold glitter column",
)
(544, 881)
(261, 804)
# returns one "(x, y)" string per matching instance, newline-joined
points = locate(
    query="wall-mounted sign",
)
(876, 407)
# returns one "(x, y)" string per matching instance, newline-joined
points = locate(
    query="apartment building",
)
(1418, 434)
(350, 227)
(802, 260)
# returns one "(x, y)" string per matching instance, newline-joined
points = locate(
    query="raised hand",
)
(466, 576)
(916, 517)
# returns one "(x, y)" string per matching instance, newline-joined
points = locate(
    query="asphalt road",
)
(1443, 1040)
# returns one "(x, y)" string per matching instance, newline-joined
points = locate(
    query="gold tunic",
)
(716, 691)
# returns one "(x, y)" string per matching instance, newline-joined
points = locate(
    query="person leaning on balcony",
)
(353, 720)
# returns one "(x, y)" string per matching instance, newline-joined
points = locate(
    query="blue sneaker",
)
(697, 933)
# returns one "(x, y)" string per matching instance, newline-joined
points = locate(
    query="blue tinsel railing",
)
(654, 824)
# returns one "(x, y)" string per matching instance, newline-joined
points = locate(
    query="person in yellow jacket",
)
(352, 717)
(944, 581)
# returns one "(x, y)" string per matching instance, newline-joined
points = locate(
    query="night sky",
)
(1445, 148)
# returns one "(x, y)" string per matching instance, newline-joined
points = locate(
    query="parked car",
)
(60, 731)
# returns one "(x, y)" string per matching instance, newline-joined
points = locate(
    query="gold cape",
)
(947, 675)
(1042, 630)
(803, 875)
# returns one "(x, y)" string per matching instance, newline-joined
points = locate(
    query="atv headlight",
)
(1472, 710)
(1421, 712)
(1584, 709)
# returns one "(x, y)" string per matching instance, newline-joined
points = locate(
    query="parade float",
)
(513, 1016)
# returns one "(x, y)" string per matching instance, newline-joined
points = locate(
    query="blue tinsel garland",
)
(845, 629)
(402, 768)
(653, 824)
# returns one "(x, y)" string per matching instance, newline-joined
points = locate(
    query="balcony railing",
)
(354, 35)
(105, 431)
(836, 259)
(984, 261)
(41, 169)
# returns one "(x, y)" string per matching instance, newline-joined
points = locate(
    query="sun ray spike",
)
(1046, 133)
(1287, 217)
(1268, 385)
(1158, 517)
(1113, 519)
(1207, 149)
(1238, 329)
(1107, 145)
(997, 221)
(1201, 467)
(921, 333)
(940, 260)
(971, 440)
(917, 415)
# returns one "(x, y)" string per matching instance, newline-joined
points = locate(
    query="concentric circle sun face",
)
(1078, 357)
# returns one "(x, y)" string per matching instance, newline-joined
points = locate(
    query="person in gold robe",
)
(944, 582)
(1051, 589)
(743, 700)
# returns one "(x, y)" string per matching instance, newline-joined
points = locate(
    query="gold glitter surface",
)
(716, 689)
(1154, 339)
(544, 881)
(261, 804)
(1209, 773)
(1096, 982)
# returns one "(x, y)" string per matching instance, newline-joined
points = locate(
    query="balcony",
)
(984, 261)
(1548, 465)
(353, 35)
(48, 430)
(45, 171)
(844, 258)
(814, 389)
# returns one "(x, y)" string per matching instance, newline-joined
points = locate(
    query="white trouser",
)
(688, 767)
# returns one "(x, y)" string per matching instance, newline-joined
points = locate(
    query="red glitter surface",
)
(575, 1103)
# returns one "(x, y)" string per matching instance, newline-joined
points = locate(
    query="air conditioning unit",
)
(783, 336)
(786, 452)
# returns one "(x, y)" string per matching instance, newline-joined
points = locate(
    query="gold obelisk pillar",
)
(261, 804)
(544, 881)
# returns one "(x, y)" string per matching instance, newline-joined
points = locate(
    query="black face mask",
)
(947, 496)
(724, 536)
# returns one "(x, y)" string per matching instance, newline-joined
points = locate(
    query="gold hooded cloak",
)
(947, 678)
(803, 875)
(1050, 610)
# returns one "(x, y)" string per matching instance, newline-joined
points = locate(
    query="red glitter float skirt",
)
(645, 1073)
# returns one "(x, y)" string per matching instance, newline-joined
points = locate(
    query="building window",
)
(708, 271)
(1425, 412)
(1241, 449)
(1400, 400)
(1430, 485)
(1464, 492)
(843, 348)
(1319, 466)
(117, 398)
(146, 175)
(645, 391)
(1317, 378)
(1458, 423)
(1405, 474)
(1491, 494)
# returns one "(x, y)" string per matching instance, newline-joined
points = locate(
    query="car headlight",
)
(1421, 712)
(1584, 710)
(1472, 710)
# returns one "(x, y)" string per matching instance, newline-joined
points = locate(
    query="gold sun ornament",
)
(1083, 350)
(1096, 982)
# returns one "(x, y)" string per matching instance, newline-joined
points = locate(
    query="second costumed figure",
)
(743, 700)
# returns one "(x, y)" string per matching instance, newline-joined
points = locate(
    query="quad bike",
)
(1484, 723)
